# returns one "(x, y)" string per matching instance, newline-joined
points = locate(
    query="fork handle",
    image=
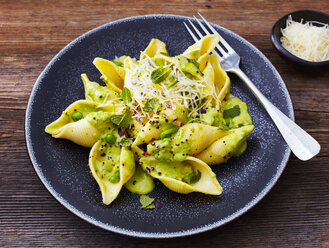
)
(303, 145)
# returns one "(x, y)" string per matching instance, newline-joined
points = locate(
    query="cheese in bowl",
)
(305, 40)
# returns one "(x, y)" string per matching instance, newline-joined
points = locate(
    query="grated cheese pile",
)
(186, 93)
(306, 41)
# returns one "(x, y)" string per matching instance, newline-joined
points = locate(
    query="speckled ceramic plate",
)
(62, 165)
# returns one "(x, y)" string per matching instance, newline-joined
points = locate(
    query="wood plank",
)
(294, 214)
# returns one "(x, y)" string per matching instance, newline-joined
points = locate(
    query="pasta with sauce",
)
(159, 117)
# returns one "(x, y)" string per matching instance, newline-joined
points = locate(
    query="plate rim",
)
(125, 231)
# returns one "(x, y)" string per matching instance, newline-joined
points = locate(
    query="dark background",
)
(294, 214)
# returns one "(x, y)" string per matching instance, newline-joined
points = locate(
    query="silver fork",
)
(303, 145)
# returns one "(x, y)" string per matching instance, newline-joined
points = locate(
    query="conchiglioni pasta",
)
(159, 117)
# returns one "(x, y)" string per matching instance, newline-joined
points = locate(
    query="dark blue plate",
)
(62, 165)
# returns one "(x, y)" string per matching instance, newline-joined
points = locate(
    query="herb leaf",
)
(125, 95)
(168, 130)
(194, 62)
(222, 126)
(117, 63)
(150, 104)
(232, 112)
(126, 141)
(164, 54)
(160, 74)
(125, 122)
(147, 202)
(173, 81)
(116, 119)
(122, 120)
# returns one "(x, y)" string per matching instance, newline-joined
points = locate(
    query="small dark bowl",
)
(306, 16)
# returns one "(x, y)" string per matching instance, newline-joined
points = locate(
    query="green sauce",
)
(107, 162)
(173, 169)
(95, 92)
(169, 115)
(140, 183)
(169, 150)
(242, 119)
(100, 120)
(236, 142)
(213, 117)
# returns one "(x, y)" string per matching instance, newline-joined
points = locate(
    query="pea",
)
(115, 177)
(108, 168)
(192, 178)
(168, 130)
(77, 115)
(110, 139)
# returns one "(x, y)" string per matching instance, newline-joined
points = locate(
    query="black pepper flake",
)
(123, 164)
(159, 173)
(166, 120)
(94, 118)
(103, 154)
(134, 182)
(171, 152)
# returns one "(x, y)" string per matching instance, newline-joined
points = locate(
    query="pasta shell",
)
(147, 133)
(112, 74)
(198, 136)
(201, 49)
(221, 80)
(81, 132)
(224, 148)
(155, 47)
(209, 78)
(97, 93)
(124, 161)
(207, 183)
(137, 127)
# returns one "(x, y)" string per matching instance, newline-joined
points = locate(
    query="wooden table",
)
(294, 214)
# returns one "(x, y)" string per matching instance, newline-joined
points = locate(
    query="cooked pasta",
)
(159, 117)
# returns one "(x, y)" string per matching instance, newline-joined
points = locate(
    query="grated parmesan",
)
(306, 41)
(144, 89)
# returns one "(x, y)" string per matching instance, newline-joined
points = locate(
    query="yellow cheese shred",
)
(306, 41)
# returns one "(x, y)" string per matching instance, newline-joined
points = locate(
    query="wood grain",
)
(294, 214)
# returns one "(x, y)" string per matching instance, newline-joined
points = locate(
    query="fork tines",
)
(224, 49)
